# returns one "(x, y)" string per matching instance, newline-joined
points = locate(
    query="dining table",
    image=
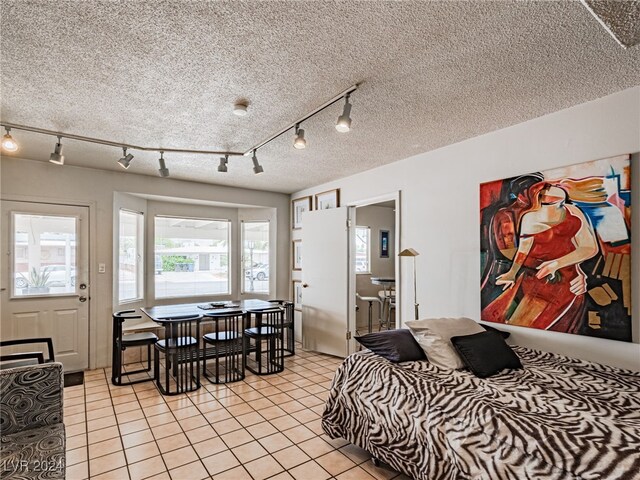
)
(163, 312)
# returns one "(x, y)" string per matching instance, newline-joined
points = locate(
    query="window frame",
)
(230, 263)
(13, 253)
(368, 271)
(242, 271)
(140, 245)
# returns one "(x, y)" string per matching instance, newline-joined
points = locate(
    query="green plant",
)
(38, 279)
(169, 261)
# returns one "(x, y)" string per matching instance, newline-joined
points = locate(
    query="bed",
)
(558, 418)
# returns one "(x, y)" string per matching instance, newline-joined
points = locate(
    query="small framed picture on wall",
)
(297, 295)
(384, 243)
(297, 254)
(298, 207)
(329, 199)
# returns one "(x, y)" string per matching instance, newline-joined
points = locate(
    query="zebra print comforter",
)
(558, 418)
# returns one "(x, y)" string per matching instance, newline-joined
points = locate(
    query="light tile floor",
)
(259, 428)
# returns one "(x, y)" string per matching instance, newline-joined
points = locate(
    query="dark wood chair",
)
(269, 328)
(20, 359)
(121, 342)
(289, 327)
(181, 350)
(227, 340)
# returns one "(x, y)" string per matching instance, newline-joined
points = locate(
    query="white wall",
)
(42, 181)
(440, 209)
(376, 218)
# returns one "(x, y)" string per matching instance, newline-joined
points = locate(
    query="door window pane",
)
(44, 260)
(255, 257)
(363, 249)
(130, 257)
(191, 257)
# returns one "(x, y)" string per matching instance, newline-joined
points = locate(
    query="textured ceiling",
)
(619, 17)
(166, 73)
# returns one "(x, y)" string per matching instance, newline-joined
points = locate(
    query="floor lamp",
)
(410, 252)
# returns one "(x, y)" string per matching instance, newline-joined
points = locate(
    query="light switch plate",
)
(102, 268)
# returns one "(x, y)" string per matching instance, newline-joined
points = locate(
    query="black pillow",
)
(485, 353)
(394, 345)
(492, 329)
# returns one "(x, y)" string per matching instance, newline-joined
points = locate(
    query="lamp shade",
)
(408, 252)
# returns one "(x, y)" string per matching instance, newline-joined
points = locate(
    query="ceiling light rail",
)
(343, 125)
(129, 146)
(342, 95)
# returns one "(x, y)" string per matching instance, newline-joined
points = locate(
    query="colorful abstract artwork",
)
(556, 249)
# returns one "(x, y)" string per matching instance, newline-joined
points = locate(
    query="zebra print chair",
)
(33, 435)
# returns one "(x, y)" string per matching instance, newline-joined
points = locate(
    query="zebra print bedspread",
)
(558, 418)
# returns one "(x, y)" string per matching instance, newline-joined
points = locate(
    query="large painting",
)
(556, 249)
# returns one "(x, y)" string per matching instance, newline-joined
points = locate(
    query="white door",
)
(45, 277)
(325, 281)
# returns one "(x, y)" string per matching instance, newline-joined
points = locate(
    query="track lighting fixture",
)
(163, 170)
(126, 159)
(257, 168)
(57, 157)
(343, 124)
(8, 143)
(299, 142)
(222, 168)
(240, 108)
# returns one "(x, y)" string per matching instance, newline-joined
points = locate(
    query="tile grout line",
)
(316, 370)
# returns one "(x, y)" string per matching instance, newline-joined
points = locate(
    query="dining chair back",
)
(269, 328)
(289, 326)
(180, 348)
(227, 340)
(11, 356)
(121, 341)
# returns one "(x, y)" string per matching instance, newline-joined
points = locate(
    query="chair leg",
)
(259, 353)
(115, 367)
(204, 359)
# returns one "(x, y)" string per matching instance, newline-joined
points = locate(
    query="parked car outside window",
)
(260, 272)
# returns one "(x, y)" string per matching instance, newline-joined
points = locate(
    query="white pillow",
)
(434, 336)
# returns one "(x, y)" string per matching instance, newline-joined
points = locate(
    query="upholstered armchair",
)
(32, 432)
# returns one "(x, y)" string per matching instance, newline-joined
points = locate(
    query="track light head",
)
(57, 157)
(343, 124)
(257, 168)
(8, 143)
(126, 159)
(222, 168)
(299, 142)
(163, 170)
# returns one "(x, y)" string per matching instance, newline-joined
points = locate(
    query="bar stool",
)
(122, 342)
(228, 346)
(289, 326)
(269, 327)
(386, 297)
(371, 301)
(391, 307)
(181, 349)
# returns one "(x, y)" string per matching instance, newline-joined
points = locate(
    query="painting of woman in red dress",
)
(539, 249)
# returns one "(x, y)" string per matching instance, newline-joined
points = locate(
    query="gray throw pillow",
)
(434, 336)
(394, 345)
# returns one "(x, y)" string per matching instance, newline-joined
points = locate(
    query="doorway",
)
(45, 277)
(329, 278)
(376, 266)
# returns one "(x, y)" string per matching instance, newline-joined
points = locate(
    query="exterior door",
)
(45, 290)
(325, 275)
